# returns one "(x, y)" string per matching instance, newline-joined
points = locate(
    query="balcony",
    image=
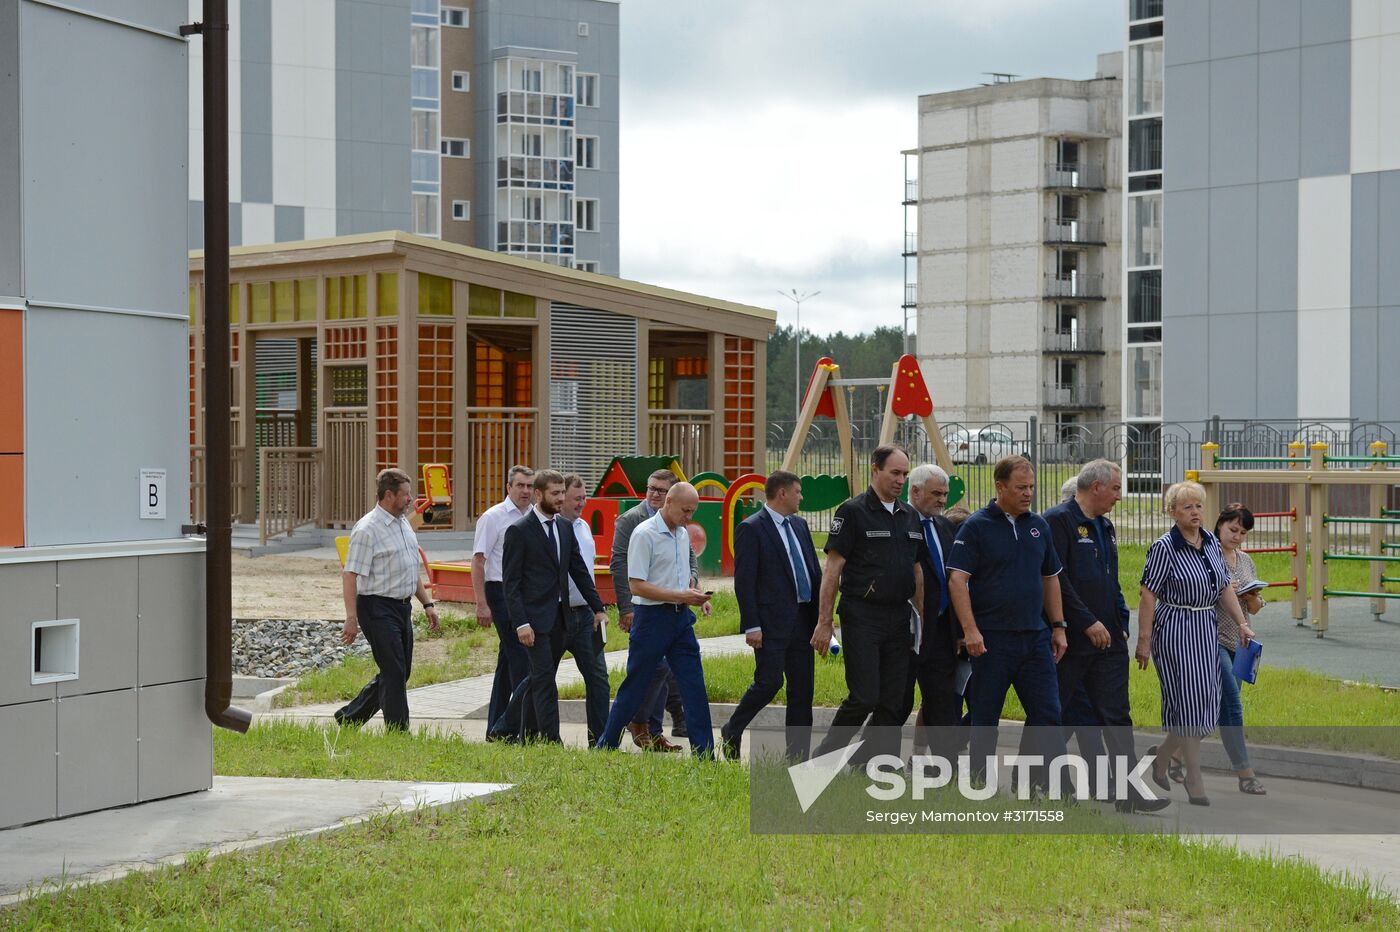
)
(1078, 232)
(911, 191)
(1080, 176)
(911, 244)
(1077, 341)
(911, 294)
(1073, 396)
(1086, 286)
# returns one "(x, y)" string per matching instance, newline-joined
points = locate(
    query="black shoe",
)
(1199, 800)
(730, 746)
(678, 729)
(1141, 805)
(1162, 782)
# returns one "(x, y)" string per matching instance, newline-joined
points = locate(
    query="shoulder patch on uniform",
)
(836, 525)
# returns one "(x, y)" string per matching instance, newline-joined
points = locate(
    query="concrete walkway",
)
(460, 699)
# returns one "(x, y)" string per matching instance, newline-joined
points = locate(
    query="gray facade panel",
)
(1325, 104)
(1276, 336)
(1365, 239)
(115, 384)
(1388, 378)
(1231, 352)
(10, 259)
(1278, 246)
(101, 594)
(1278, 115)
(1234, 252)
(1325, 21)
(1185, 273)
(29, 735)
(30, 595)
(97, 752)
(1187, 112)
(177, 744)
(1185, 375)
(1387, 239)
(170, 637)
(235, 226)
(194, 225)
(1365, 363)
(1278, 25)
(256, 167)
(1234, 121)
(1189, 21)
(81, 159)
(1234, 27)
(289, 223)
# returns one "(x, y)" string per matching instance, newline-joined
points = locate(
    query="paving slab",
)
(1357, 646)
(237, 814)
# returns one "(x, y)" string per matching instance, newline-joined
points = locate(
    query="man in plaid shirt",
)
(380, 579)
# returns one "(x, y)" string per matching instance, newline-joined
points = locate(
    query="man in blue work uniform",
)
(1096, 657)
(1003, 579)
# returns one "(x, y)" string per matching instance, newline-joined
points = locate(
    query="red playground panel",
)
(452, 582)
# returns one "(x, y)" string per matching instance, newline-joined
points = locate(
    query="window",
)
(1145, 230)
(461, 210)
(457, 148)
(1145, 297)
(532, 79)
(1145, 382)
(461, 80)
(530, 144)
(425, 214)
(586, 214)
(586, 265)
(423, 47)
(1145, 69)
(1145, 145)
(533, 207)
(425, 130)
(586, 90)
(586, 154)
(456, 16)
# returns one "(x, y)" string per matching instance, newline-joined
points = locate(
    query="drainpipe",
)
(218, 557)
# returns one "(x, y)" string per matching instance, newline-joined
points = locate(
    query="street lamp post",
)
(797, 299)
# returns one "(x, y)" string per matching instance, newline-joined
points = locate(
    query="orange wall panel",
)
(11, 382)
(11, 500)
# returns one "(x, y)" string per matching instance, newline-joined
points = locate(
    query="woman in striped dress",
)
(1183, 580)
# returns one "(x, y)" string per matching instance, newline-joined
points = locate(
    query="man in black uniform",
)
(872, 556)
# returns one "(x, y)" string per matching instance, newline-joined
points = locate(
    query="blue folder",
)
(1247, 661)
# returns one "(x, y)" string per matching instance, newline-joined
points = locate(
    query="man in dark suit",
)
(776, 579)
(541, 555)
(935, 663)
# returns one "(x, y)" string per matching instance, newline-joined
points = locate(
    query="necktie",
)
(937, 565)
(558, 561)
(799, 565)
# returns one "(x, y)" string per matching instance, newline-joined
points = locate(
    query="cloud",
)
(761, 142)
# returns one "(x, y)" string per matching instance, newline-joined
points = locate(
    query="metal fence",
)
(1152, 456)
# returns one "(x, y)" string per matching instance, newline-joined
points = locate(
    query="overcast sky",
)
(761, 139)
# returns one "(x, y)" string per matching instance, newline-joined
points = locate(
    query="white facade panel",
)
(1015, 164)
(1387, 116)
(1015, 219)
(288, 98)
(947, 378)
(943, 128)
(318, 34)
(259, 223)
(1015, 328)
(943, 173)
(1008, 118)
(319, 223)
(318, 121)
(289, 179)
(943, 330)
(1014, 273)
(1324, 296)
(319, 157)
(943, 224)
(942, 278)
(1013, 382)
(1065, 114)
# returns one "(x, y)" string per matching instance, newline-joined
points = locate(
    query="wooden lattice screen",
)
(739, 427)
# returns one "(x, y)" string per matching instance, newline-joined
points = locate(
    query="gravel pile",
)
(277, 647)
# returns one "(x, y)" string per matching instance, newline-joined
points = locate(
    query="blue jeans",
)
(1021, 660)
(662, 632)
(1232, 713)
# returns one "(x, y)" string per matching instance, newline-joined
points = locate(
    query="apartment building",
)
(1017, 249)
(1280, 298)
(480, 122)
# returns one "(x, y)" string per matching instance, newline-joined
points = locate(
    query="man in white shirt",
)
(585, 633)
(488, 542)
(380, 578)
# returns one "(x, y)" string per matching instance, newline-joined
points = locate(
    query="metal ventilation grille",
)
(593, 389)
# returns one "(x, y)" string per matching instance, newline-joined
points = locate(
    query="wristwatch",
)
(1059, 624)
(428, 605)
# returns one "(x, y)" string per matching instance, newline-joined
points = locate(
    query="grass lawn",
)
(563, 850)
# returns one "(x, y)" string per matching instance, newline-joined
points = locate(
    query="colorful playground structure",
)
(724, 502)
(1309, 480)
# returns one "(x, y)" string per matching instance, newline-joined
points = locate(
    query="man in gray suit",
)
(663, 694)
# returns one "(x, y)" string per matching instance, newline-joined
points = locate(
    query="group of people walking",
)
(966, 610)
